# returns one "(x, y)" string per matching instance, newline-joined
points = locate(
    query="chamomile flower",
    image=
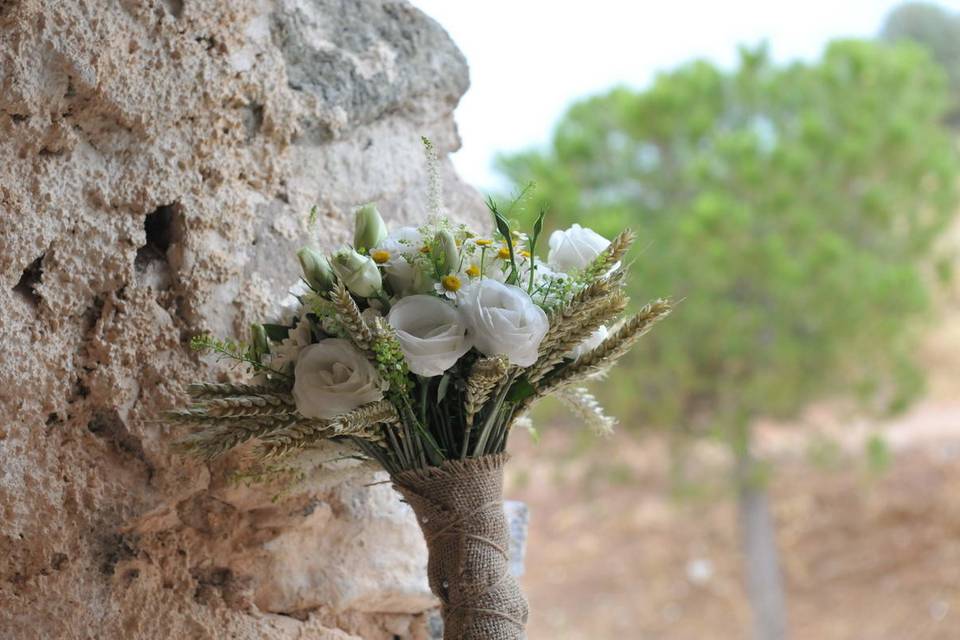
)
(448, 286)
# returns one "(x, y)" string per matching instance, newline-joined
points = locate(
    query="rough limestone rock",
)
(159, 159)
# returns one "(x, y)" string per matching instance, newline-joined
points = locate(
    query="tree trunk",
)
(761, 556)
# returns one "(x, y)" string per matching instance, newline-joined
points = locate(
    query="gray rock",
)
(160, 158)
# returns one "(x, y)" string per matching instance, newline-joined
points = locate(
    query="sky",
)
(529, 59)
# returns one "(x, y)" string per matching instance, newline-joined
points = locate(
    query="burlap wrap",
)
(460, 509)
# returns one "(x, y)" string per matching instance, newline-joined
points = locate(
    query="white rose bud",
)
(445, 252)
(331, 378)
(359, 273)
(503, 320)
(369, 229)
(259, 343)
(575, 248)
(431, 332)
(316, 269)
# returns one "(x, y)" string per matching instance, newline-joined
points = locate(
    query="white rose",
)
(575, 248)
(332, 377)
(589, 344)
(503, 320)
(431, 333)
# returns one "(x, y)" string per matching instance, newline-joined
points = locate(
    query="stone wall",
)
(157, 162)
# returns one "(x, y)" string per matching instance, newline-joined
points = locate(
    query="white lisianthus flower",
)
(503, 320)
(589, 344)
(287, 352)
(358, 272)
(290, 306)
(396, 255)
(431, 333)
(574, 248)
(332, 377)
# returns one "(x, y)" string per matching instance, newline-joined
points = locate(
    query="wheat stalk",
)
(300, 434)
(214, 440)
(350, 317)
(214, 389)
(585, 405)
(610, 256)
(575, 311)
(597, 313)
(485, 375)
(612, 348)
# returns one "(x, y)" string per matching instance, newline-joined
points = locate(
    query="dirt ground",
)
(868, 554)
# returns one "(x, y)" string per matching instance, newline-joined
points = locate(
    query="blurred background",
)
(786, 461)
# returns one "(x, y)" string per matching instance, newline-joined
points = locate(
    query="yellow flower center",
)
(503, 253)
(483, 242)
(450, 283)
(525, 254)
(473, 271)
(380, 256)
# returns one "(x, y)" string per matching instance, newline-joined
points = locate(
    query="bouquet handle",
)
(459, 506)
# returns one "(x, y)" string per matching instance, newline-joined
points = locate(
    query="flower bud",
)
(259, 344)
(369, 229)
(358, 272)
(445, 252)
(316, 269)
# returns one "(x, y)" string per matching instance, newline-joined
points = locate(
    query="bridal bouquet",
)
(423, 346)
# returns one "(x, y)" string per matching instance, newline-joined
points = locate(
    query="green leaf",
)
(520, 391)
(537, 230)
(503, 226)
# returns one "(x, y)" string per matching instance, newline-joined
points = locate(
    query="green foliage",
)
(794, 210)
(879, 457)
(935, 28)
(238, 351)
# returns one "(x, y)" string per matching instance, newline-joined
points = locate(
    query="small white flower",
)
(589, 344)
(503, 320)
(287, 352)
(574, 248)
(450, 285)
(431, 333)
(332, 377)
(397, 254)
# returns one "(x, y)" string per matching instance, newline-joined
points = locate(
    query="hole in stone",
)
(175, 7)
(207, 41)
(253, 119)
(27, 285)
(161, 228)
